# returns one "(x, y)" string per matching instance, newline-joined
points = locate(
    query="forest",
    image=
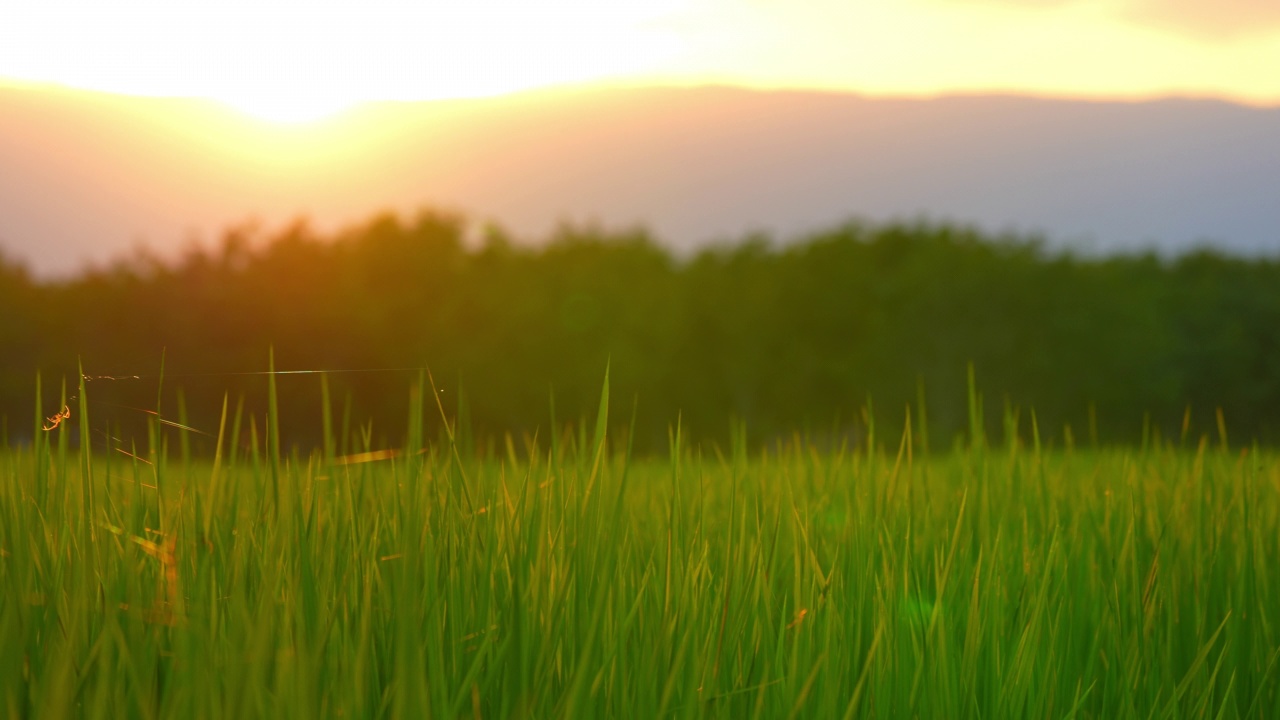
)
(830, 335)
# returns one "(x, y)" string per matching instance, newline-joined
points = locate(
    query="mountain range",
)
(85, 176)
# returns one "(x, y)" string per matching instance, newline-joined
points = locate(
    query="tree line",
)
(829, 335)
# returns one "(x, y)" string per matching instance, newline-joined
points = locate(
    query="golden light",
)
(290, 62)
(293, 62)
(287, 108)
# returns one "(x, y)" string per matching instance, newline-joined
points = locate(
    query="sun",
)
(294, 106)
(290, 63)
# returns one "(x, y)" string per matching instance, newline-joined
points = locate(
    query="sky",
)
(293, 61)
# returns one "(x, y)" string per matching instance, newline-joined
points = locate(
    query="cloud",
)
(1204, 20)
(1211, 20)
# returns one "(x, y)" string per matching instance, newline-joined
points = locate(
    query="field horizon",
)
(670, 360)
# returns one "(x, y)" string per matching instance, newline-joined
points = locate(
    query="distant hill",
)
(85, 176)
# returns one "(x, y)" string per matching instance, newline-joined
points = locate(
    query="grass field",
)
(561, 577)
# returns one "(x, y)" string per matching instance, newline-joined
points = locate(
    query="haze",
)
(1152, 123)
(90, 176)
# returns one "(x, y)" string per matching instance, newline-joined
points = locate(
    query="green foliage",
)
(776, 337)
(986, 582)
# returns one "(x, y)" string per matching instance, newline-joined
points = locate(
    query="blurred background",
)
(760, 215)
(797, 337)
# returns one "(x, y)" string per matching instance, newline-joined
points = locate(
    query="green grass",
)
(559, 577)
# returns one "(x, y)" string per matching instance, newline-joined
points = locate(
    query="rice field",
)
(560, 576)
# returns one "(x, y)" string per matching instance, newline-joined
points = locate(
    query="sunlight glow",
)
(286, 108)
(289, 62)
(1065, 48)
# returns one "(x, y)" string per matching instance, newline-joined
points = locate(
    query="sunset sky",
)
(288, 60)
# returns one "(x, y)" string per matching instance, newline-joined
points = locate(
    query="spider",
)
(56, 420)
